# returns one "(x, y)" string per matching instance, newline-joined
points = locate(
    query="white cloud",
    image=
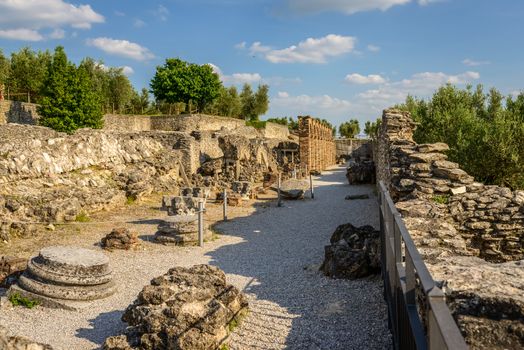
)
(121, 48)
(311, 50)
(472, 63)
(37, 14)
(320, 106)
(373, 48)
(57, 34)
(138, 23)
(127, 70)
(241, 45)
(345, 6)
(161, 12)
(356, 78)
(237, 78)
(21, 34)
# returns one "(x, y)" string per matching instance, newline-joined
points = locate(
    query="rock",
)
(354, 252)
(444, 164)
(361, 172)
(457, 190)
(433, 147)
(294, 188)
(427, 157)
(452, 174)
(10, 270)
(356, 196)
(120, 238)
(60, 274)
(180, 230)
(187, 308)
(19, 343)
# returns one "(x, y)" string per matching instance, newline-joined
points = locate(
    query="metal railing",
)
(417, 312)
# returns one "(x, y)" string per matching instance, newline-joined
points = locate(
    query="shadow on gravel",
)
(295, 306)
(102, 327)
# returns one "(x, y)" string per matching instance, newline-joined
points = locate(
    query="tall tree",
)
(4, 68)
(349, 129)
(372, 128)
(254, 104)
(28, 72)
(180, 81)
(68, 101)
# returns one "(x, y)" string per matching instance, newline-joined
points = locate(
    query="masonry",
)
(317, 148)
(470, 235)
(353, 148)
(18, 112)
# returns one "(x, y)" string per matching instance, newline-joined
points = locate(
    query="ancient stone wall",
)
(18, 112)
(470, 235)
(317, 148)
(353, 148)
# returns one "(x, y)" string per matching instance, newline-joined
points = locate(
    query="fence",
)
(417, 312)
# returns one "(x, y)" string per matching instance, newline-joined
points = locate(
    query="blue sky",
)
(333, 59)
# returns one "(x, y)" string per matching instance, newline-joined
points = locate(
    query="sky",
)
(332, 59)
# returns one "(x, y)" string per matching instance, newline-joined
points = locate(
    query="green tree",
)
(120, 90)
(5, 68)
(28, 72)
(349, 129)
(68, 101)
(372, 128)
(180, 81)
(254, 104)
(227, 104)
(140, 102)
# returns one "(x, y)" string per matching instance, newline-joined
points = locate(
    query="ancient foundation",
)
(66, 277)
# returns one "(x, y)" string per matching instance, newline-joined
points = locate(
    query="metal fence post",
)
(225, 204)
(279, 201)
(311, 186)
(200, 223)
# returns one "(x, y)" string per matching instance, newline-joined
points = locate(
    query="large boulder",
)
(354, 252)
(294, 188)
(187, 308)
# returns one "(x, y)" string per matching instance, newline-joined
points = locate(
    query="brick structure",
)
(317, 147)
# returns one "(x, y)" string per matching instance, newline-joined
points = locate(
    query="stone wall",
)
(353, 148)
(317, 148)
(18, 112)
(470, 235)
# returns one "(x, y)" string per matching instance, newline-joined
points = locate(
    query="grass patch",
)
(82, 217)
(257, 124)
(130, 200)
(441, 199)
(224, 347)
(18, 300)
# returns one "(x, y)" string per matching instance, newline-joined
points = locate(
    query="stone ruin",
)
(120, 238)
(8, 342)
(187, 308)
(470, 235)
(181, 224)
(11, 268)
(360, 172)
(317, 147)
(66, 277)
(354, 252)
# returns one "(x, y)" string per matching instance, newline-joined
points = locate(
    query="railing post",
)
(311, 186)
(224, 207)
(201, 223)
(279, 200)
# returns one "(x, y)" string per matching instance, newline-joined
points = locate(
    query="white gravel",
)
(272, 253)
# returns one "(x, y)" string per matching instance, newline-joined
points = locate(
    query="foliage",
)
(372, 128)
(82, 217)
(441, 199)
(291, 123)
(27, 72)
(227, 104)
(485, 134)
(5, 68)
(257, 124)
(254, 104)
(18, 300)
(349, 129)
(181, 81)
(68, 101)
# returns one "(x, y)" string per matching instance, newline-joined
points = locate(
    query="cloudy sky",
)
(334, 59)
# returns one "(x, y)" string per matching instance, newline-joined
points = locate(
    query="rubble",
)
(361, 172)
(187, 308)
(19, 343)
(120, 238)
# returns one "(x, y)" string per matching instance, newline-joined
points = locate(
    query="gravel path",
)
(272, 253)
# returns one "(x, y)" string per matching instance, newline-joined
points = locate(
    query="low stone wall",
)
(354, 148)
(18, 112)
(471, 236)
(275, 131)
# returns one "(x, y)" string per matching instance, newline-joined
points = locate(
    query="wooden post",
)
(279, 200)
(225, 204)
(201, 223)
(311, 186)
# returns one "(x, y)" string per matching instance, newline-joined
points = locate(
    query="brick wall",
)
(317, 148)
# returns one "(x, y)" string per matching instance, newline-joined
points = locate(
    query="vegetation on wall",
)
(485, 131)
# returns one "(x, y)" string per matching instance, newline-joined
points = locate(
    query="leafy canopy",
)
(349, 129)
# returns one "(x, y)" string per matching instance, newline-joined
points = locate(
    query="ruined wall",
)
(346, 148)
(18, 112)
(317, 148)
(470, 235)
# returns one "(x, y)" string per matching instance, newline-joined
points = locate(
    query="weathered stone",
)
(181, 230)
(19, 343)
(452, 174)
(120, 238)
(427, 157)
(354, 252)
(10, 269)
(66, 273)
(457, 190)
(444, 164)
(356, 196)
(187, 308)
(362, 172)
(294, 188)
(433, 147)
